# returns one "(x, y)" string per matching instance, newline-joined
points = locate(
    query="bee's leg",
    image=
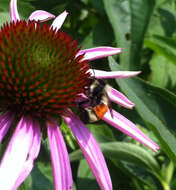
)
(110, 109)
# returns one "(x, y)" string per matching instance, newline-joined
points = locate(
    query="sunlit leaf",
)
(85, 177)
(163, 72)
(125, 152)
(119, 16)
(156, 106)
(141, 12)
(165, 46)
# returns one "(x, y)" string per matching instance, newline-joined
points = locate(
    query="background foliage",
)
(146, 31)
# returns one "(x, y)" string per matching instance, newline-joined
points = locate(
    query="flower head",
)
(43, 74)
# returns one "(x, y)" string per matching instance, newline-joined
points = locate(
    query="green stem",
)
(169, 172)
(166, 177)
(165, 185)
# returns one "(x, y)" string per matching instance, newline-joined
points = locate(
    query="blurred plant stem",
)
(165, 185)
(163, 182)
(169, 172)
(166, 176)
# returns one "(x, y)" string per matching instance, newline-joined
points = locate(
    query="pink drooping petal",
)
(16, 153)
(60, 160)
(32, 155)
(112, 74)
(6, 120)
(117, 97)
(81, 97)
(99, 52)
(59, 20)
(90, 149)
(41, 16)
(123, 124)
(14, 16)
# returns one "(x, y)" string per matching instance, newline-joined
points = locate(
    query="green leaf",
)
(163, 72)
(125, 152)
(4, 17)
(40, 178)
(102, 132)
(130, 153)
(129, 27)
(163, 21)
(4, 5)
(156, 106)
(141, 12)
(167, 19)
(98, 5)
(119, 176)
(119, 17)
(163, 45)
(98, 36)
(87, 41)
(85, 177)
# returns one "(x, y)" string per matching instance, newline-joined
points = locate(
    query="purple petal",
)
(112, 74)
(5, 123)
(121, 123)
(81, 97)
(32, 155)
(90, 149)
(119, 98)
(14, 16)
(60, 160)
(59, 20)
(99, 52)
(16, 153)
(40, 15)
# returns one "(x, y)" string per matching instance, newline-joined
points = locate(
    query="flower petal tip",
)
(127, 127)
(131, 106)
(41, 15)
(65, 12)
(155, 147)
(59, 20)
(117, 97)
(99, 52)
(138, 72)
(112, 74)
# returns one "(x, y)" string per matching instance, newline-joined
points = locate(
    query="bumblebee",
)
(98, 101)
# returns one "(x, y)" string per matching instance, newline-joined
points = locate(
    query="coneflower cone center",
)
(40, 73)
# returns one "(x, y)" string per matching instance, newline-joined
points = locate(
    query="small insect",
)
(98, 101)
